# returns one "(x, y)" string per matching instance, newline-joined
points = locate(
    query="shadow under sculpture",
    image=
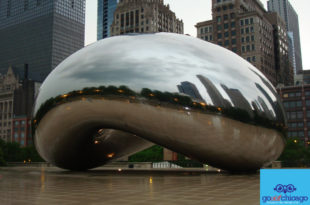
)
(120, 95)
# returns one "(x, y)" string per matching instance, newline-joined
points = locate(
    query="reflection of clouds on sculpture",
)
(154, 60)
(163, 88)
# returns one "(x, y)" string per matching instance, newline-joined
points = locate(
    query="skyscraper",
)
(289, 15)
(246, 28)
(106, 9)
(40, 33)
(144, 16)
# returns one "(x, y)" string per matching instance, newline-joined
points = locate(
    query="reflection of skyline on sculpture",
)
(176, 91)
(140, 75)
(189, 89)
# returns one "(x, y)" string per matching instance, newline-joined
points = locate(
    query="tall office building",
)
(284, 68)
(106, 9)
(40, 33)
(144, 16)
(289, 15)
(245, 28)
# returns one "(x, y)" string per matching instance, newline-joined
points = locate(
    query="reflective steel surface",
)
(116, 96)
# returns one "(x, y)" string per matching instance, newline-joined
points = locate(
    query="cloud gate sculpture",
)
(122, 94)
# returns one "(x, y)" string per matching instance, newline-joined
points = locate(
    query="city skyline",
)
(202, 10)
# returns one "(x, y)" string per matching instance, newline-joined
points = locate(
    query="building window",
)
(72, 3)
(247, 30)
(308, 102)
(252, 38)
(307, 93)
(234, 49)
(26, 5)
(218, 19)
(211, 38)
(300, 124)
(225, 17)
(242, 31)
(226, 26)
(226, 34)
(292, 115)
(39, 2)
(226, 43)
(254, 58)
(219, 27)
(298, 104)
(206, 38)
(252, 29)
(251, 21)
(291, 95)
(246, 21)
(9, 8)
(233, 24)
(201, 30)
(241, 22)
(299, 115)
(206, 30)
(233, 33)
(219, 35)
(233, 41)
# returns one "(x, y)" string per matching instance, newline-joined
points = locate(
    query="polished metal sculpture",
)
(121, 94)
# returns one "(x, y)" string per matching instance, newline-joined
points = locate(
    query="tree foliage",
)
(152, 154)
(295, 153)
(13, 152)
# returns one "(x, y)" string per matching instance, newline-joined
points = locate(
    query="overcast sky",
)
(193, 11)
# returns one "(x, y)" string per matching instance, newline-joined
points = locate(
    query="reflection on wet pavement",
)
(55, 186)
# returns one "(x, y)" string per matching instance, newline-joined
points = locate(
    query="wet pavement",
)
(49, 185)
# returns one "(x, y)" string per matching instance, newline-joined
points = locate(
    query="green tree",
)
(295, 153)
(152, 154)
(30, 153)
(2, 161)
(12, 152)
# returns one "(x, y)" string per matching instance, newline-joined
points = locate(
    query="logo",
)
(285, 188)
(284, 199)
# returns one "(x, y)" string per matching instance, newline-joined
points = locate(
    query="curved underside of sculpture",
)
(122, 94)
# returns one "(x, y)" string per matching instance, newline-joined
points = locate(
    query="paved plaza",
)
(49, 185)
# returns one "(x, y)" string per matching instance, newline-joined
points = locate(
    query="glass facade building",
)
(289, 15)
(40, 33)
(106, 9)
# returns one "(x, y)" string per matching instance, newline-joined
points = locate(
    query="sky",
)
(191, 13)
